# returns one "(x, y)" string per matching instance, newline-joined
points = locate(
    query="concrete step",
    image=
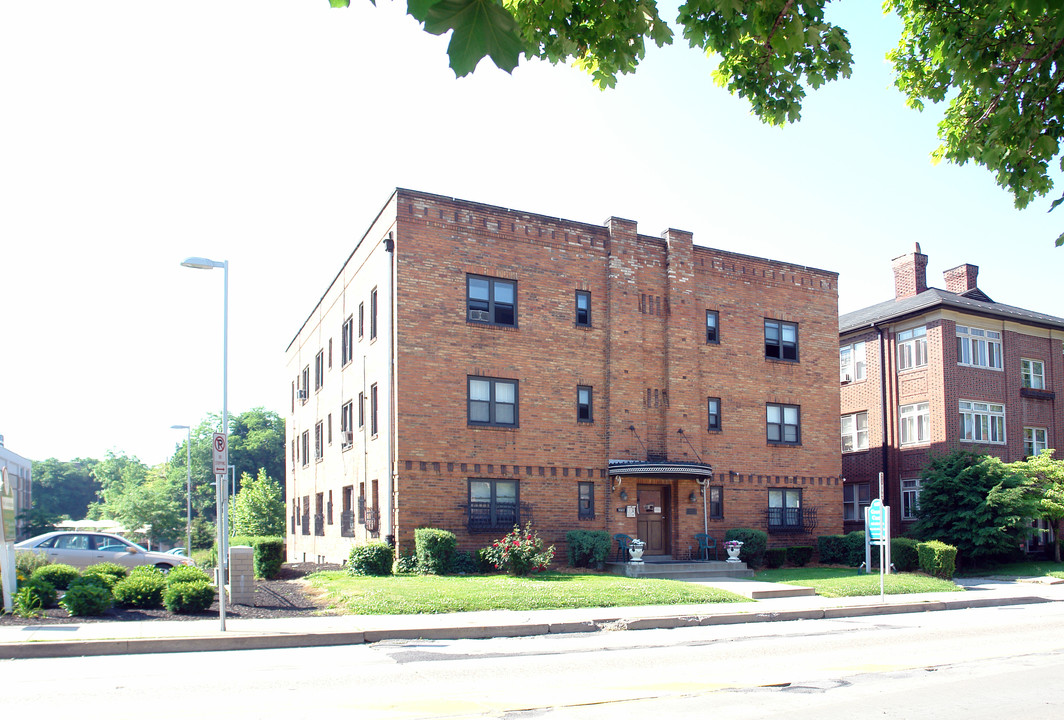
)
(691, 571)
(757, 590)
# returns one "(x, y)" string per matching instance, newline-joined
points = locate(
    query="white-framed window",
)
(1034, 374)
(855, 432)
(978, 347)
(910, 496)
(915, 423)
(1034, 441)
(319, 441)
(855, 498)
(852, 362)
(912, 348)
(982, 422)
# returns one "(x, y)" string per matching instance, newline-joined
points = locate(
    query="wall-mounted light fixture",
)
(624, 495)
(691, 497)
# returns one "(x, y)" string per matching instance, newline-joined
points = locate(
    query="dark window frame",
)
(373, 314)
(783, 425)
(585, 500)
(496, 516)
(713, 333)
(585, 319)
(777, 348)
(585, 412)
(347, 415)
(319, 370)
(373, 406)
(713, 419)
(347, 341)
(361, 320)
(492, 402)
(785, 517)
(488, 311)
(716, 507)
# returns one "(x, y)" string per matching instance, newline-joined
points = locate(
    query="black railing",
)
(373, 520)
(487, 517)
(792, 519)
(347, 524)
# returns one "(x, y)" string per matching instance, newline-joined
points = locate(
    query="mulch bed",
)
(284, 597)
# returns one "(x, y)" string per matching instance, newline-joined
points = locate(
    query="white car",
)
(82, 549)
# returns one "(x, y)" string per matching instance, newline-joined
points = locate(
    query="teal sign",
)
(877, 520)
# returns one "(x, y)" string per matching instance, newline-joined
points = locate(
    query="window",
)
(330, 353)
(712, 326)
(915, 423)
(855, 498)
(912, 348)
(852, 362)
(910, 496)
(855, 432)
(1034, 441)
(347, 342)
(361, 410)
(783, 424)
(319, 370)
(373, 409)
(305, 386)
(982, 422)
(713, 405)
(785, 509)
(328, 427)
(491, 300)
(346, 429)
(716, 501)
(492, 401)
(361, 320)
(978, 348)
(583, 308)
(781, 340)
(492, 505)
(586, 500)
(373, 314)
(1033, 372)
(583, 403)
(306, 447)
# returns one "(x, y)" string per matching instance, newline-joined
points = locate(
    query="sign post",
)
(7, 540)
(220, 447)
(877, 532)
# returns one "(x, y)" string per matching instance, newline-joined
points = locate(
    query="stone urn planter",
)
(635, 550)
(734, 547)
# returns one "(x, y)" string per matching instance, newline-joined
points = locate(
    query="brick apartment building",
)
(962, 371)
(472, 367)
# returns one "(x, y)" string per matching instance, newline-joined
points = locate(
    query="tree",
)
(258, 508)
(64, 488)
(1047, 477)
(35, 521)
(141, 497)
(996, 61)
(974, 502)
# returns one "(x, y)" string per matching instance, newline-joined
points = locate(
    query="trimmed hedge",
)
(267, 553)
(141, 590)
(937, 558)
(903, 554)
(86, 597)
(588, 548)
(799, 555)
(435, 550)
(830, 549)
(754, 544)
(186, 574)
(464, 563)
(58, 575)
(373, 558)
(109, 571)
(775, 557)
(189, 597)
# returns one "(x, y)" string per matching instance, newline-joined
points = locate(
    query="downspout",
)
(390, 483)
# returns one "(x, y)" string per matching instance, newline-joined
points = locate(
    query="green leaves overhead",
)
(481, 28)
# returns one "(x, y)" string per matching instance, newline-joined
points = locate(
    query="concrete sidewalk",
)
(110, 638)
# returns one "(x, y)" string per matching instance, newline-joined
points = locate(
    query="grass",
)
(426, 594)
(848, 582)
(1030, 568)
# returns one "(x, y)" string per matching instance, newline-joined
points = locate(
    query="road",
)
(980, 663)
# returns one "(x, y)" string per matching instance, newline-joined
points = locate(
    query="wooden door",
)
(652, 514)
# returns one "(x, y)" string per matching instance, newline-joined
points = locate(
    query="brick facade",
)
(643, 354)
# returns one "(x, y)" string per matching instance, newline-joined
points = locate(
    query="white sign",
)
(220, 445)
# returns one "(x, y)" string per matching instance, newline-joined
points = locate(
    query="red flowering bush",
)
(520, 552)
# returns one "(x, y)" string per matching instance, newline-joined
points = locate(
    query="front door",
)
(653, 525)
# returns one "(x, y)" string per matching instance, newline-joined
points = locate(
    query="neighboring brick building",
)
(964, 372)
(472, 367)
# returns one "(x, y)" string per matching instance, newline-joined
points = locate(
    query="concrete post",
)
(241, 575)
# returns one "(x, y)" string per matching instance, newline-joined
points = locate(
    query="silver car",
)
(82, 549)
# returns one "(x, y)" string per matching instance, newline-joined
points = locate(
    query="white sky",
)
(136, 133)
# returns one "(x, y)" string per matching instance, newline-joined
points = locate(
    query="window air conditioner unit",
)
(349, 438)
(479, 315)
(301, 394)
(846, 378)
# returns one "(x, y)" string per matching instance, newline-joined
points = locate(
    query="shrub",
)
(189, 597)
(799, 555)
(27, 562)
(57, 574)
(141, 590)
(775, 557)
(937, 558)
(406, 564)
(435, 550)
(87, 596)
(267, 553)
(853, 546)
(112, 571)
(483, 561)
(588, 548)
(754, 544)
(520, 552)
(464, 563)
(33, 596)
(186, 574)
(101, 581)
(830, 549)
(374, 558)
(903, 554)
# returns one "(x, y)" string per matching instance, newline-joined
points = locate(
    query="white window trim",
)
(1041, 374)
(852, 362)
(971, 411)
(855, 432)
(912, 346)
(1034, 444)
(913, 413)
(908, 510)
(985, 339)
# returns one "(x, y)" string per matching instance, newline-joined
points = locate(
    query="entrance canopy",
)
(666, 468)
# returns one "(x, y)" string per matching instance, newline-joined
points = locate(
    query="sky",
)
(270, 132)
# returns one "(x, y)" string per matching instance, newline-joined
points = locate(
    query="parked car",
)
(82, 549)
(176, 551)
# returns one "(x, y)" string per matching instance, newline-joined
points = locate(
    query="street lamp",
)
(188, 488)
(200, 263)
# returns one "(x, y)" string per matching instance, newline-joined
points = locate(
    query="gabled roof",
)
(933, 298)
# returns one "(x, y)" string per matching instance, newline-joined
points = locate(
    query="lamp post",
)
(200, 263)
(188, 488)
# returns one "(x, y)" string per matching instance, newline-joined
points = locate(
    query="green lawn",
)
(848, 582)
(1020, 569)
(423, 594)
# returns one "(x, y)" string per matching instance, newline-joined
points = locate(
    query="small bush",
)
(141, 590)
(588, 548)
(189, 597)
(464, 563)
(799, 555)
(830, 550)
(775, 557)
(854, 548)
(101, 581)
(27, 562)
(56, 574)
(405, 565)
(33, 596)
(482, 559)
(520, 552)
(435, 550)
(374, 558)
(937, 558)
(267, 553)
(114, 571)
(903, 554)
(754, 544)
(186, 574)
(87, 597)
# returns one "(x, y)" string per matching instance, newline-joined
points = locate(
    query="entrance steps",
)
(664, 569)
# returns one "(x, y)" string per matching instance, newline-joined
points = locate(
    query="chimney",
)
(910, 274)
(962, 278)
